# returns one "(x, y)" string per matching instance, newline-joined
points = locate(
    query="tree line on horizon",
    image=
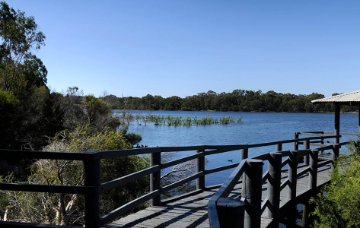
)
(237, 100)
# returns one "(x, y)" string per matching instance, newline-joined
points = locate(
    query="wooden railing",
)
(249, 175)
(93, 187)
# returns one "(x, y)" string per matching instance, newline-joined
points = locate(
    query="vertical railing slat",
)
(335, 152)
(244, 153)
(293, 162)
(307, 156)
(201, 168)
(92, 180)
(253, 192)
(292, 175)
(314, 154)
(296, 142)
(231, 212)
(155, 177)
(274, 182)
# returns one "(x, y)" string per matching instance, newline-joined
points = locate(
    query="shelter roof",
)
(344, 98)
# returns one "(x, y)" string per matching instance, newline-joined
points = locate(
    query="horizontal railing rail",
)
(327, 133)
(92, 186)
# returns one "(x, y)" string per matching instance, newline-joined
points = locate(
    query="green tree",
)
(173, 103)
(74, 109)
(23, 75)
(8, 109)
(237, 100)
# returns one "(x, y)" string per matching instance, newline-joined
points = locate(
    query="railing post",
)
(92, 180)
(313, 168)
(231, 212)
(307, 147)
(244, 153)
(337, 122)
(335, 153)
(292, 175)
(279, 147)
(296, 143)
(155, 177)
(252, 193)
(201, 168)
(274, 182)
(359, 118)
(293, 160)
(322, 142)
(305, 214)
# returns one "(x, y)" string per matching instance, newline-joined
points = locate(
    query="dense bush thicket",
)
(64, 209)
(339, 204)
(237, 100)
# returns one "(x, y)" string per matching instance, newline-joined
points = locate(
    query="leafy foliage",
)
(64, 209)
(75, 109)
(237, 100)
(8, 108)
(30, 115)
(339, 204)
(22, 76)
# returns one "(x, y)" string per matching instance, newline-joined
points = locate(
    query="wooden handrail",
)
(224, 191)
(128, 178)
(92, 186)
(273, 179)
(7, 154)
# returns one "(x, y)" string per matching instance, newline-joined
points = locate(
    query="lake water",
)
(256, 128)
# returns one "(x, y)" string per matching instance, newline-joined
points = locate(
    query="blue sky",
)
(182, 47)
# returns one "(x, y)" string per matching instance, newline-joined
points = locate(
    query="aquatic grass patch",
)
(177, 121)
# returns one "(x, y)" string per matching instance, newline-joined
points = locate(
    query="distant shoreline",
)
(159, 110)
(237, 100)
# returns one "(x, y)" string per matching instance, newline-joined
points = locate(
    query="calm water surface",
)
(256, 128)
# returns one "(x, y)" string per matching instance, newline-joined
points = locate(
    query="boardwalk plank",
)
(192, 211)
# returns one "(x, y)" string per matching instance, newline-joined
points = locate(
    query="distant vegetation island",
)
(237, 100)
(174, 121)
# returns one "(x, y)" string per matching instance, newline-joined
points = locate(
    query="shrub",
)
(339, 204)
(64, 209)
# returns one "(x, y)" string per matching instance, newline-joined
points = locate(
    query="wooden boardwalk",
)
(192, 211)
(259, 173)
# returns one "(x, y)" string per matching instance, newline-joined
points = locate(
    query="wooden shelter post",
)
(359, 116)
(352, 99)
(337, 122)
